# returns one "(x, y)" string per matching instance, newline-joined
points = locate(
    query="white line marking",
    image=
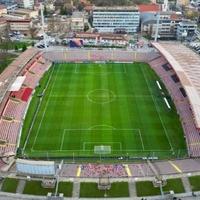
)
(110, 94)
(85, 143)
(44, 112)
(167, 103)
(124, 68)
(77, 71)
(158, 84)
(141, 139)
(95, 127)
(129, 150)
(63, 137)
(35, 116)
(165, 130)
(85, 96)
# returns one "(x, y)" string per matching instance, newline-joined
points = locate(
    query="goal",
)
(102, 149)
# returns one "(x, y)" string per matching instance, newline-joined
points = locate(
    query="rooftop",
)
(149, 7)
(118, 8)
(24, 11)
(77, 15)
(102, 35)
(188, 22)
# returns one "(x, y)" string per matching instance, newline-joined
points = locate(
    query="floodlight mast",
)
(42, 22)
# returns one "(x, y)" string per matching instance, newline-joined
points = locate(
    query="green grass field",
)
(90, 190)
(10, 185)
(194, 182)
(115, 107)
(146, 188)
(35, 188)
(5, 60)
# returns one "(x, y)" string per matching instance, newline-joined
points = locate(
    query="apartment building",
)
(26, 4)
(3, 10)
(114, 19)
(77, 21)
(186, 28)
(23, 26)
(167, 27)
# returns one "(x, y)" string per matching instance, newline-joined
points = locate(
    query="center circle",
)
(101, 96)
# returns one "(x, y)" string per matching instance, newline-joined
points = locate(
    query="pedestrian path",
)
(186, 184)
(132, 189)
(76, 189)
(20, 187)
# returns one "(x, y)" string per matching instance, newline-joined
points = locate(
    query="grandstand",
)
(185, 91)
(179, 72)
(16, 85)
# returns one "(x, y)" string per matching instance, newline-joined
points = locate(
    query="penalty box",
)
(117, 139)
(101, 68)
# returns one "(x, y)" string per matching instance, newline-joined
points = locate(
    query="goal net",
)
(102, 149)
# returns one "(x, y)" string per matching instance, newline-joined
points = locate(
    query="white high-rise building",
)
(113, 19)
(26, 4)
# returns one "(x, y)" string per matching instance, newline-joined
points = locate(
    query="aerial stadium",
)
(77, 113)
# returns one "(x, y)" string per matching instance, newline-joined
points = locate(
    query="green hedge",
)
(195, 183)
(90, 190)
(146, 188)
(10, 185)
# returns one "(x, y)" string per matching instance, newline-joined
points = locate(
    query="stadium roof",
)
(186, 63)
(8, 76)
(17, 84)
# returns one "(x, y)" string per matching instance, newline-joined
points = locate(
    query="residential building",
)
(77, 21)
(13, 16)
(27, 12)
(3, 10)
(167, 27)
(183, 2)
(186, 28)
(26, 4)
(3, 26)
(100, 39)
(114, 19)
(23, 26)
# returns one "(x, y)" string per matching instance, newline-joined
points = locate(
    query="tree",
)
(80, 6)
(68, 10)
(86, 27)
(45, 11)
(16, 48)
(24, 47)
(32, 32)
(193, 15)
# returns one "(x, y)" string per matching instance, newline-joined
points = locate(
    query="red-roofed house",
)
(148, 8)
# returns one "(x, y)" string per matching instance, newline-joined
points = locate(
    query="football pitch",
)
(98, 109)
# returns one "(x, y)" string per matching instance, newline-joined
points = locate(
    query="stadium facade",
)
(106, 19)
